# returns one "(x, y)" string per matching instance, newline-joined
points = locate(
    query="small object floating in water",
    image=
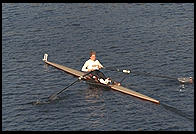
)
(186, 80)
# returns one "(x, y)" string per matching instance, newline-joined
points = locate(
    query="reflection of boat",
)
(77, 73)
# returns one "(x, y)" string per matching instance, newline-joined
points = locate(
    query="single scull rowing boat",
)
(77, 73)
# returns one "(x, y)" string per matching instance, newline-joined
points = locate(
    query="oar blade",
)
(185, 80)
(52, 97)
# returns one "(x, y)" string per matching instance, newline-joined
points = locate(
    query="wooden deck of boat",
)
(133, 93)
(66, 69)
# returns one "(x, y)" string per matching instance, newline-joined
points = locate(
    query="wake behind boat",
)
(81, 75)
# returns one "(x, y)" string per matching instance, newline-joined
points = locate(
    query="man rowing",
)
(92, 65)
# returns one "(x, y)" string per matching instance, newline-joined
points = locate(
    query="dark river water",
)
(155, 38)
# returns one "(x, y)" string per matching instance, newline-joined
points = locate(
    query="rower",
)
(94, 65)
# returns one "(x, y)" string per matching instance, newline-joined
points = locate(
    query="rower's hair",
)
(92, 53)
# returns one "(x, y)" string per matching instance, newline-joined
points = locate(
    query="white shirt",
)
(90, 64)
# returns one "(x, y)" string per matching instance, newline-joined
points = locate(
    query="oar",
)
(52, 97)
(118, 70)
(112, 67)
(153, 75)
(182, 80)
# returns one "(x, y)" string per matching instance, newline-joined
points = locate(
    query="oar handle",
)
(126, 71)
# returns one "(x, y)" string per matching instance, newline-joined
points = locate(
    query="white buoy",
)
(45, 57)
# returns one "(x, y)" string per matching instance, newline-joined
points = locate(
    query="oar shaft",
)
(128, 65)
(140, 73)
(54, 95)
(153, 75)
(67, 86)
(118, 70)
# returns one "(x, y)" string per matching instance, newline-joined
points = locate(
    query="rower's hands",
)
(81, 77)
(99, 67)
(89, 70)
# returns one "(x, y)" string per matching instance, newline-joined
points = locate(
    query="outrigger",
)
(81, 75)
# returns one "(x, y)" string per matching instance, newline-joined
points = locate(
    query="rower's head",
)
(93, 55)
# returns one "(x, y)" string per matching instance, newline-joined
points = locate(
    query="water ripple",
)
(151, 37)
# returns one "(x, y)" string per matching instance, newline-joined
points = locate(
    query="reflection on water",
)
(93, 92)
(182, 88)
(97, 109)
(46, 67)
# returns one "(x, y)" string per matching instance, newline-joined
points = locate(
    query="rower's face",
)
(93, 57)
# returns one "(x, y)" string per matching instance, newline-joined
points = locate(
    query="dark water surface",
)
(156, 38)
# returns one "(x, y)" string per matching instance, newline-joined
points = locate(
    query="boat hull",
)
(122, 89)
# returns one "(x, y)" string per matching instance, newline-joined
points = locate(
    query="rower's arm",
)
(84, 68)
(99, 65)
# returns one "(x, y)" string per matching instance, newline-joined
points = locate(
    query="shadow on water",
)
(177, 111)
